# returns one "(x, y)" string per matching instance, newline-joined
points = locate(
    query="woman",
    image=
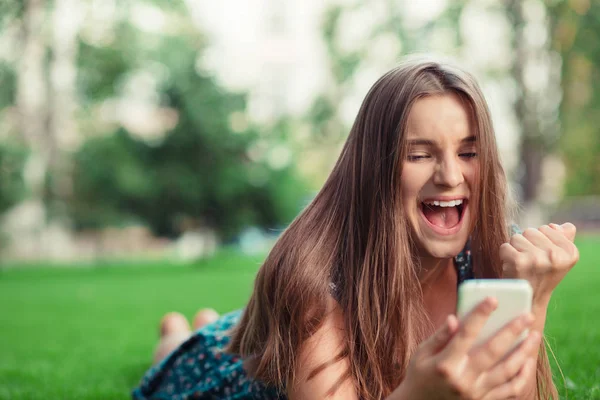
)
(357, 297)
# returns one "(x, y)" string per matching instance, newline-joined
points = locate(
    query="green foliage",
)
(199, 174)
(575, 37)
(10, 10)
(8, 84)
(12, 186)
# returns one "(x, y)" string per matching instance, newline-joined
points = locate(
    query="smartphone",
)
(514, 299)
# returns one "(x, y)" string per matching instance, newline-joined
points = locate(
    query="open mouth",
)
(444, 214)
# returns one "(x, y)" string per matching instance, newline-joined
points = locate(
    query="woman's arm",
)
(542, 256)
(322, 347)
(445, 366)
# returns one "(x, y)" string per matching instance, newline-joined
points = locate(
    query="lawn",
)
(89, 333)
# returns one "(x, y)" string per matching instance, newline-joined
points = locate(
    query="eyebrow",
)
(426, 142)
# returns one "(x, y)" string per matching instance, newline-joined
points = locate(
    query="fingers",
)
(497, 347)
(556, 236)
(523, 244)
(508, 252)
(440, 338)
(568, 229)
(516, 387)
(539, 239)
(547, 248)
(559, 238)
(469, 328)
(505, 370)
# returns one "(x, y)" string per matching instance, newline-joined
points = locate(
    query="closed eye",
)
(468, 155)
(417, 157)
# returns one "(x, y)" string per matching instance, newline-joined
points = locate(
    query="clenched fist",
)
(542, 256)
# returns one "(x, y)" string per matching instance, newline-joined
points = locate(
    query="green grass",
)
(89, 333)
(573, 326)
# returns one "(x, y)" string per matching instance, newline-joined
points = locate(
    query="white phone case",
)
(514, 299)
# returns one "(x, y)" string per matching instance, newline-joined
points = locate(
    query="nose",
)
(449, 173)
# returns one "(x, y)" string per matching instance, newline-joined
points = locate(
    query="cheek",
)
(471, 173)
(411, 182)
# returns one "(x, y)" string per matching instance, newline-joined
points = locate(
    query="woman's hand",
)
(447, 366)
(542, 256)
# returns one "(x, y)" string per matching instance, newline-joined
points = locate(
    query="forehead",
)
(439, 118)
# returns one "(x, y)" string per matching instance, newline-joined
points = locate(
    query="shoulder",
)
(323, 364)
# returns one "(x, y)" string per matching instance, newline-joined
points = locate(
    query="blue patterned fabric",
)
(200, 369)
(463, 264)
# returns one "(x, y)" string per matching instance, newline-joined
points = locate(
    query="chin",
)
(444, 251)
(441, 249)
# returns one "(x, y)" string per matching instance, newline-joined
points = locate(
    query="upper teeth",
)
(451, 203)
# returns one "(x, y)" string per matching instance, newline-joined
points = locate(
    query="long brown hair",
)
(355, 234)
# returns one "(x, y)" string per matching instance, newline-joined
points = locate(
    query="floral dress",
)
(200, 369)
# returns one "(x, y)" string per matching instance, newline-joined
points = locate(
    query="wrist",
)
(540, 310)
(540, 303)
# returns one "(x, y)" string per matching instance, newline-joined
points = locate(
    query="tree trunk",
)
(32, 97)
(534, 141)
(66, 22)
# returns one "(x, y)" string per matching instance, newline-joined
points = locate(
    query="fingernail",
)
(490, 304)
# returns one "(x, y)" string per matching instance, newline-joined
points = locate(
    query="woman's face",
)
(438, 174)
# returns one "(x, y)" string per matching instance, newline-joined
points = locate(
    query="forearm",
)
(540, 309)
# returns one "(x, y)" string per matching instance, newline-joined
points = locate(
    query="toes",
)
(174, 322)
(205, 316)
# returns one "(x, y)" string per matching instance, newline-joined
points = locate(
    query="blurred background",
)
(165, 129)
(158, 148)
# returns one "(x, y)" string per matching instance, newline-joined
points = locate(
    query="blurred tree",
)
(575, 35)
(31, 95)
(13, 152)
(386, 34)
(122, 124)
(67, 17)
(197, 173)
(536, 75)
(12, 186)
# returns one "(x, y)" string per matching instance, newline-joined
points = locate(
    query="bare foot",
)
(204, 316)
(174, 330)
(173, 322)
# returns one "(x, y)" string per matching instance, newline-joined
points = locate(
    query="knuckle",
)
(518, 388)
(509, 370)
(558, 258)
(517, 326)
(523, 261)
(575, 255)
(460, 388)
(530, 233)
(570, 227)
(542, 260)
(494, 349)
(515, 239)
(446, 371)
(465, 332)
(545, 228)
(505, 250)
